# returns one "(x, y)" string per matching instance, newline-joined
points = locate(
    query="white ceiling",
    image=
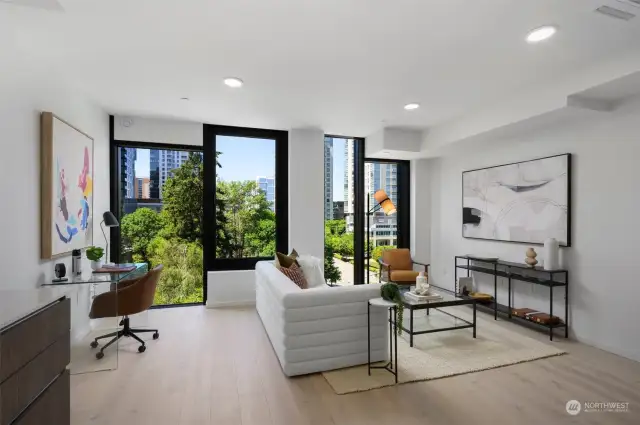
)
(346, 66)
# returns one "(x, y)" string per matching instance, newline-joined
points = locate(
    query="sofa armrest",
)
(331, 295)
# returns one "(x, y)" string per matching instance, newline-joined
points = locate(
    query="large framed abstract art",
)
(66, 187)
(525, 202)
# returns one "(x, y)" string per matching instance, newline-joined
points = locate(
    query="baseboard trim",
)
(247, 303)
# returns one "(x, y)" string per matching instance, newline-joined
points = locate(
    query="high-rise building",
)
(141, 188)
(127, 172)
(328, 178)
(268, 186)
(161, 166)
(338, 210)
(154, 174)
(349, 187)
(377, 175)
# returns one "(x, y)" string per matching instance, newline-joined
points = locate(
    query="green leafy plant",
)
(391, 292)
(95, 253)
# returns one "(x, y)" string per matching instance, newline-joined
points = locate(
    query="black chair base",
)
(127, 331)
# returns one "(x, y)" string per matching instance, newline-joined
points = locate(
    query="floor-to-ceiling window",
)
(385, 231)
(157, 198)
(245, 196)
(339, 197)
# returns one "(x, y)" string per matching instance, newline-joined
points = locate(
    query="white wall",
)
(137, 129)
(21, 102)
(603, 276)
(420, 211)
(306, 191)
(231, 288)
(20, 108)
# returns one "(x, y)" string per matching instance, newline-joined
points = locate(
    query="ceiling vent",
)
(615, 13)
(39, 4)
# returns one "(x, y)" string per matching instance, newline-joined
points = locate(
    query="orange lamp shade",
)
(383, 200)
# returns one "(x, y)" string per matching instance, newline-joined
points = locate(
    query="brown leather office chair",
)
(132, 296)
(397, 266)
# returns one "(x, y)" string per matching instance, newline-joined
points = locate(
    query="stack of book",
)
(422, 298)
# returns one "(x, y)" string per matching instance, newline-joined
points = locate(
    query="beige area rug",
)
(443, 354)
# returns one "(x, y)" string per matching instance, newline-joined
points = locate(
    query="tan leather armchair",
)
(131, 297)
(396, 265)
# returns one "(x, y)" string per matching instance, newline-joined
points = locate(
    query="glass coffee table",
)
(446, 321)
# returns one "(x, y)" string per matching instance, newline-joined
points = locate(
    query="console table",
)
(517, 272)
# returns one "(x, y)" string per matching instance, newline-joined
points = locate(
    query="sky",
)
(246, 159)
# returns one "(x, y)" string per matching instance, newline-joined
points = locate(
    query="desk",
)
(82, 290)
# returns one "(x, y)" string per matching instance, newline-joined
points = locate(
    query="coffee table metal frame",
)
(438, 305)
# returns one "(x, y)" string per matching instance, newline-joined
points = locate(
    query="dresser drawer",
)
(22, 388)
(23, 341)
(53, 407)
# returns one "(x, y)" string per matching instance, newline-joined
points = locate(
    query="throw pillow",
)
(283, 261)
(313, 269)
(295, 274)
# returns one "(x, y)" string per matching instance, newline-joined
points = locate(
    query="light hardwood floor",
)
(218, 367)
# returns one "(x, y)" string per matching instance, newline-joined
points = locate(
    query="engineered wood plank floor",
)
(217, 367)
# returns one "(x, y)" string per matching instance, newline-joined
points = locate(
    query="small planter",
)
(96, 265)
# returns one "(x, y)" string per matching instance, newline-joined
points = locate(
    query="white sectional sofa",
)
(319, 328)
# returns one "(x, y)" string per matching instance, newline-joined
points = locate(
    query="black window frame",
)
(115, 191)
(210, 132)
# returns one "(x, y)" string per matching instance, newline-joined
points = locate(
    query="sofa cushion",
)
(296, 275)
(313, 269)
(407, 276)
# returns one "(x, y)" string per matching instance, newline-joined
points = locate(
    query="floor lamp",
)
(382, 202)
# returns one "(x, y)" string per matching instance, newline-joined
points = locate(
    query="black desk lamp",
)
(109, 220)
(382, 202)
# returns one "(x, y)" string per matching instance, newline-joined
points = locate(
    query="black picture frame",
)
(569, 200)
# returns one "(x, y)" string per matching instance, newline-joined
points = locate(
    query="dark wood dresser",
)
(34, 355)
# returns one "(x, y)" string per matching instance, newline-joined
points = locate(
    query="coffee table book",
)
(419, 298)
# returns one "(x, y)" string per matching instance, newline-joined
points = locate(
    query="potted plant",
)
(391, 292)
(95, 253)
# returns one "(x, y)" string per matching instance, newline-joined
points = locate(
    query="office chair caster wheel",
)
(99, 355)
(94, 344)
(142, 349)
(156, 335)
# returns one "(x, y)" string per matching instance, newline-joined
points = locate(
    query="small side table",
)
(392, 364)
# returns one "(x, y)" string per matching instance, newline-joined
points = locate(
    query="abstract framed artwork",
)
(524, 202)
(66, 167)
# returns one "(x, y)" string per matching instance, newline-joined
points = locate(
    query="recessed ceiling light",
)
(411, 106)
(540, 34)
(233, 82)
(184, 98)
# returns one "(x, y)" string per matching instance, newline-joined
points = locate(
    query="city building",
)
(127, 172)
(349, 187)
(328, 178)
(268, 186)
(141, 188)
(161, 166)
(338, 210)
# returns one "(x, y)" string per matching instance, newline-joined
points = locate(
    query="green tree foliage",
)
(250, 223)
(331, 272)
(377, 252)
(138, 229)
(182, 199)
(181, 280)
(336, 236)
(245, 227)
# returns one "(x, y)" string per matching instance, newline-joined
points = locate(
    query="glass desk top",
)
(88, 276)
